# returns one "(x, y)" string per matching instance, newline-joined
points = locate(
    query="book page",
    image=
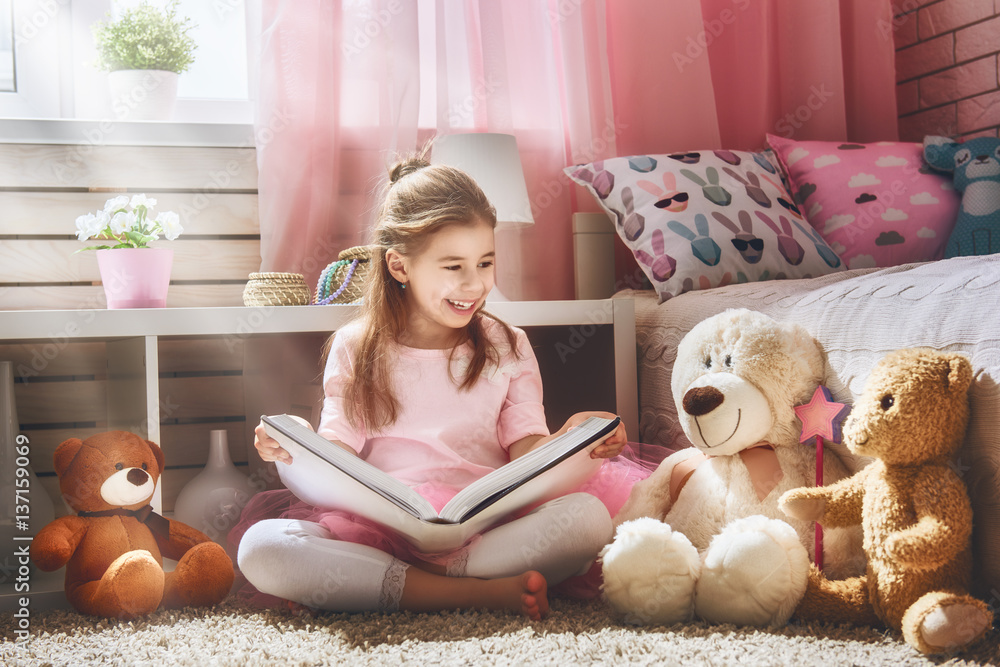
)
(487, 490)
(295, 437)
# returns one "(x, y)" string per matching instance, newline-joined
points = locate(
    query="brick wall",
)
(947, 67)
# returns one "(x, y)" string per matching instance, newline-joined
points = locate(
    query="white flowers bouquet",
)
(127, 223)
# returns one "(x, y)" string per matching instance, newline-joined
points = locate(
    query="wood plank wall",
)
(43, 188)
(206, 383)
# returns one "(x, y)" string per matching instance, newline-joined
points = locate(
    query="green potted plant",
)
(144, 50)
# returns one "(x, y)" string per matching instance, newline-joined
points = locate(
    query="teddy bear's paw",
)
(650, 572)
(943, 622)
(131, 587)
(798, 504)
(753, 573)
(202, 578)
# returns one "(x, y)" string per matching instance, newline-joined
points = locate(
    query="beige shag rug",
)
(574, 633)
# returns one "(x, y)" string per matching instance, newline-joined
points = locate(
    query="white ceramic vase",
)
(143, 94)
(213, 500)
(25, 506)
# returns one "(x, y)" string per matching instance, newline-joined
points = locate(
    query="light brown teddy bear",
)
(112, 546)
(913, 507)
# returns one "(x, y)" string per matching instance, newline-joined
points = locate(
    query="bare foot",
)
(526, 593)
(535, 598)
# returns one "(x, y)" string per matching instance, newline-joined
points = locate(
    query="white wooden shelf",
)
(35, 325)
(134, 357)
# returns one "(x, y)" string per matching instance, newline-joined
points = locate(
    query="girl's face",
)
(446, 283)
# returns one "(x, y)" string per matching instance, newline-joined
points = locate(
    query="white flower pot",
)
(143, 94)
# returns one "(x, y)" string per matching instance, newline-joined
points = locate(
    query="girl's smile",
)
(461, 306)
(446, 283)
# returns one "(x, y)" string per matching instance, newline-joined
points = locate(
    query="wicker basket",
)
(276, 289)
(343, 281)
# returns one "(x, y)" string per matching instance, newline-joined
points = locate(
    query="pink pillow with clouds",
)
(875, 204)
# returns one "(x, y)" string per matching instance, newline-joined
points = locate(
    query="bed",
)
(876, 299)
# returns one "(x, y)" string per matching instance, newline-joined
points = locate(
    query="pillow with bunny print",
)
(704, 219)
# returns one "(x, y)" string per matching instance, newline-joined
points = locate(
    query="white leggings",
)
(299, 560)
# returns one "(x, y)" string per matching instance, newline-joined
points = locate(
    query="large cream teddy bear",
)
(703, 534)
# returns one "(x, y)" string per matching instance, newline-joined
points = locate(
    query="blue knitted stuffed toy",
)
(976, 174)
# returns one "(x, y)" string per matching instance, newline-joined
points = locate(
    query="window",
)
(6, 47)
(48, 60)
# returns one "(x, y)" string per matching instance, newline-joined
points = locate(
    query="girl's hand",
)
(268, 447)
(611, 446)
(270, 450)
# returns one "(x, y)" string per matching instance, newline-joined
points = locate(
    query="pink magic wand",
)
(821, 418)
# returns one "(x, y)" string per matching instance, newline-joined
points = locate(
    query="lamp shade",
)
(493, 161)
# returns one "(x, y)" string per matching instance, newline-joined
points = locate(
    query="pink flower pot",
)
(135, 277)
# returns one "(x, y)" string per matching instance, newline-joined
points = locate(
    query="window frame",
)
(125, 133)
(46, 112)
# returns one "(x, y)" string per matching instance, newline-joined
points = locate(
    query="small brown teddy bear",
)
(112, 546)
(913, 507)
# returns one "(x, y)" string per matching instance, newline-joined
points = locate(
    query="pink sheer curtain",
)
(346, 86)
(804, 70)
(333, 97)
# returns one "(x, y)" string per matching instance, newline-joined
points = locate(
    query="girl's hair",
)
(418, 200)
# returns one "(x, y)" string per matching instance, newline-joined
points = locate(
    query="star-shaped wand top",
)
(822, 417)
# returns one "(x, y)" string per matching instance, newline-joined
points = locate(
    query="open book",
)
(323, 474)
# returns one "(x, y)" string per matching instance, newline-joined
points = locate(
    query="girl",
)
(430, 388)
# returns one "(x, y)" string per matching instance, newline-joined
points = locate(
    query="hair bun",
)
(406, 167)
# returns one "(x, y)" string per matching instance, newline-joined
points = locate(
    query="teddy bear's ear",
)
(959, 373)
(808, 350)
(64, 455)
(157, 454)
(940, 154)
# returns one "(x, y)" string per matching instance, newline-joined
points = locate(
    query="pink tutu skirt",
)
(611, 484)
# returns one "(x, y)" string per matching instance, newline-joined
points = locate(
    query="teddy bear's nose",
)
(702, 400)
(137, 477)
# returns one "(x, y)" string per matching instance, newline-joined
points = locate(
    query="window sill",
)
(121, 133)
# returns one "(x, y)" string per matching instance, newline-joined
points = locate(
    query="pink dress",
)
(444, 439)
